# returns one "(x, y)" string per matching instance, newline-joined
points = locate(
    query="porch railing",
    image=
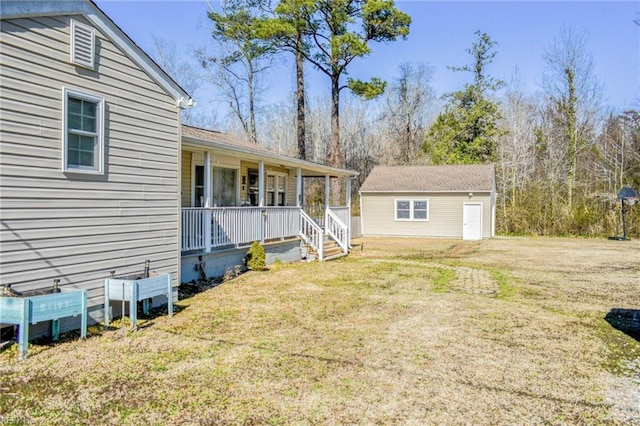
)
(206, 228)
(209, 228)
(342, 213)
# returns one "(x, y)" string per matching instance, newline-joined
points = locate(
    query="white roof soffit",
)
(189, 142)
(33, 8)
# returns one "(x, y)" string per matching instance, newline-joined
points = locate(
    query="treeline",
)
(561, 153)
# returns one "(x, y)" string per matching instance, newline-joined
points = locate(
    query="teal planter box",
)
(132, 290)
(23, 311)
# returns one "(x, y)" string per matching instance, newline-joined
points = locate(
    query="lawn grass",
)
(389, 335)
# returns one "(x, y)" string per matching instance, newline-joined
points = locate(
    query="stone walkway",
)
(468, 280)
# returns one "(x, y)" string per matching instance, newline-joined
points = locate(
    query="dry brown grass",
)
(390, 335)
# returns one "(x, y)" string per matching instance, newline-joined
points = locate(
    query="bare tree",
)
(240, 57)
(569, 81)
(185, 73)
(279, 129)
(517, 146)
(406, 111)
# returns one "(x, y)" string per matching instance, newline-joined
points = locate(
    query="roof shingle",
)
(447, 178)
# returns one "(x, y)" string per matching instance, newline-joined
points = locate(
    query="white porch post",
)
(349, 210)
(299, 187)
(208, 196)
(327, 196)
(261, 184)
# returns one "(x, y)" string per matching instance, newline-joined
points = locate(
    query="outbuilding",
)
(449, 201)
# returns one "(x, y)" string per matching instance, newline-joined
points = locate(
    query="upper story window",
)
(83, 39)
(412, 210)
(83, 137)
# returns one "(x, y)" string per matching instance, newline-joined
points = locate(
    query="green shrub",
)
(256, 257)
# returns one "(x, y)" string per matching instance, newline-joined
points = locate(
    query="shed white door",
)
(472, 221)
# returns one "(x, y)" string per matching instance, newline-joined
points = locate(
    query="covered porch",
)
(235, 193)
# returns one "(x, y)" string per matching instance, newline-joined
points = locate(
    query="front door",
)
(472, 221)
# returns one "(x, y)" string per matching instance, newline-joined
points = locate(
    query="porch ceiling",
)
(224, 144)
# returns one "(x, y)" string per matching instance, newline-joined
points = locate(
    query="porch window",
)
(252, 191)
(276, 190)
(198, 186)
(412, 210)
(83, 137)
(224, 186)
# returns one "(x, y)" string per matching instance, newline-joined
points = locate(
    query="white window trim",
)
(99, 166)
(194, 164)
(74, 45)
(411, 202)
(276, 190)
(196, 161)
(236, 184)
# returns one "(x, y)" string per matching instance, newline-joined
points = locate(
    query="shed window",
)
(82, 45)
(83, 138)
(412, 210)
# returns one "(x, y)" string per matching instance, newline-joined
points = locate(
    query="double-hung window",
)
(276, 189)
(412, 210)
(83, 132)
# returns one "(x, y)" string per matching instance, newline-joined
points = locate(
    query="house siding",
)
(445, 214)
(79, 227)
(186, 176)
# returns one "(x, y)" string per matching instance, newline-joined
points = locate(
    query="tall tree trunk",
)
(252, 113)
(301, 117)
(571, 135)
(335, 151)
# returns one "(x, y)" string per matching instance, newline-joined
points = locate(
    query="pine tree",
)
(467, 131)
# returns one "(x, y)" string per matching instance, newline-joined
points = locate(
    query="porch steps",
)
(330, 249)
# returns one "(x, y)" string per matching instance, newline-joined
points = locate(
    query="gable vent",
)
(82, 45)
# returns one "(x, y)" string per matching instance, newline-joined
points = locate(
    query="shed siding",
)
(445, 215)
(72, 226)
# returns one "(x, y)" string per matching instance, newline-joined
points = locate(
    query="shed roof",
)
(447, 178)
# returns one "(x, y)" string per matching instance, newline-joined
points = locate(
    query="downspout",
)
(179, 206)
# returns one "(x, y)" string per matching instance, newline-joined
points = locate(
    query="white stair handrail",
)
(311, 233)
(338, 230)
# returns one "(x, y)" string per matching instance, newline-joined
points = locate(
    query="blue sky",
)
(440, 34)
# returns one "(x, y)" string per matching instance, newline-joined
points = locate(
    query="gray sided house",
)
(451, 201)
(97, 174)
(90, 141)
